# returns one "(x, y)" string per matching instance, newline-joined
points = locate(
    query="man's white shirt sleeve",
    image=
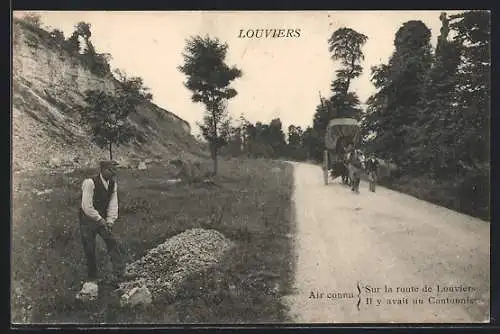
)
(88, 200)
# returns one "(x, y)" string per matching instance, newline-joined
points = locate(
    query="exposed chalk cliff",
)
(48, 82)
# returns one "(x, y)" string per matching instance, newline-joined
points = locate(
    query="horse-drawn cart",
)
(339, 133)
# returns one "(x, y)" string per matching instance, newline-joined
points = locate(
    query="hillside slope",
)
(48, 82)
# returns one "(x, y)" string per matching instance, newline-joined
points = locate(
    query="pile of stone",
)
(161, 273)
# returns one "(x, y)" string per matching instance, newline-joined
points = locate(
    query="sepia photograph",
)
(250, 167)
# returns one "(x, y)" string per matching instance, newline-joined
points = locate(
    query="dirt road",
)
(390, 245)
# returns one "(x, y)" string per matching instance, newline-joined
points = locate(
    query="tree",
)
(81, 29)
(106, 114)
(473, 36)
(276, 138)
(97, 63)
(324, 113)
(345, 45)
(472, 109)
(377, 117)
(209, 77)
(313, 144)
(438, 126)
(295, 136)
(296, 148)
(395, 110)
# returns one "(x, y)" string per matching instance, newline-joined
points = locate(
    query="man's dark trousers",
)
(89, 231)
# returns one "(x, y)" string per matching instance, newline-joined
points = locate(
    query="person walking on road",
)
(98, 213)
(354, 165)
(372, 170)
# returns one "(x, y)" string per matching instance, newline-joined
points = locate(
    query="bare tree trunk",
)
(215, 142)
(349, 79)
(213, 151)
(110, 151)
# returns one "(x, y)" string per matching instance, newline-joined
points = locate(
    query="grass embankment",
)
(471, 199)
(251, 205)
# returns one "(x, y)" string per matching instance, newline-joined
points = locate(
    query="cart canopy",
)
(341, 132)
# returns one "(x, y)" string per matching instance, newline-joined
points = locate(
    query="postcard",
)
(250, 167)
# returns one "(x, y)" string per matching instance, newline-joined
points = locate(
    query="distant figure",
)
(372, 171)
(355, 166)
(98, 213)
(342, 165)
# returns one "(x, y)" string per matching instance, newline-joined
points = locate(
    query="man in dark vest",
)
(98, 213)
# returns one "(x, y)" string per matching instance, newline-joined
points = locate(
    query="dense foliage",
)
(431, 110)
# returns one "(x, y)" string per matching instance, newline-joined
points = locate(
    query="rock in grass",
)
(162, 271)
(89, 292)
(137, 295)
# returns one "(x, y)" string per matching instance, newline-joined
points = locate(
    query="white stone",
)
(43, 192)
(142, 165)
(138, 295)
(89, 292)
(55, 162)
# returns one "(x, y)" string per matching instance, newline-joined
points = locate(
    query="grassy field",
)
(250, 204)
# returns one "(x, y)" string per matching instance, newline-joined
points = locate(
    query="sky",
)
(282, 77)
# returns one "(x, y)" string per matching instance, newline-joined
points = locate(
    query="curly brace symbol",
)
(359, 295)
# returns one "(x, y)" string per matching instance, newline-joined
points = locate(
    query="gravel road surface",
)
(384, 257)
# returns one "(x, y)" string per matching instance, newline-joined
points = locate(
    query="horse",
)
(340, 169)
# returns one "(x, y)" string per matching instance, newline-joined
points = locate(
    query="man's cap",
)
(107, 163)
